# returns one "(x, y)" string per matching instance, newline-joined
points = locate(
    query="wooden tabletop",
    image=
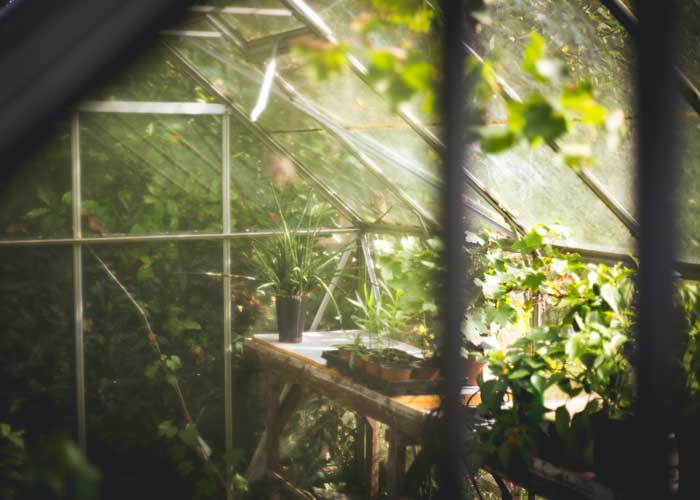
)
(302, 363)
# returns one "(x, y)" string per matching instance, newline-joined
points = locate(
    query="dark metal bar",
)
(628, 20)
(452, 471)
(657, 165)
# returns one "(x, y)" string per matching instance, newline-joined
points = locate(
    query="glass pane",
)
(308, 143)
(261, 178)
(129, 393)
(689, 60)
(689, 224)
(343, 96)
(343, 173)
(540, 190)
(145, 174)
(153, 76)
(35, 201)
(271, 18)
(240, 81)
(593, 45)
(37, 365)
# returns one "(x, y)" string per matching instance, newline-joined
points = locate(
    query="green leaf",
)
(534, 52)
(36, 213)
(611, 296)
(167, 429)
(539, 382)
(561, 421)
(189, 435)
(173, 362)
(190, 324)
(518, 374)
(533, 240)
(497, 142)
(534, 281)
(542, 122)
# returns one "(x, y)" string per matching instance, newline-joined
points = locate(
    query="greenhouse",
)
(272, 255)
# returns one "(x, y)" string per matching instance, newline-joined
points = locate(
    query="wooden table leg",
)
(396, 463)
(360, 462)
(372, 457)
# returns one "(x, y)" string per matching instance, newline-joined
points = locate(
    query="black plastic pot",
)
(290, 318)
(615, 446)
(688, 456)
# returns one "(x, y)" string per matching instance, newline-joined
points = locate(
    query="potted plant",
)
(290, 264)
(382, 319)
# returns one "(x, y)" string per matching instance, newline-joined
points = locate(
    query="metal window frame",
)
(77, 241)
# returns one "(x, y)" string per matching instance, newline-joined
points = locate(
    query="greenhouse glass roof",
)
(376, 165)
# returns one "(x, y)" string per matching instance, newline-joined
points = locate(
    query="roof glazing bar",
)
(191, 33)
(123, 238)
(241, 11)
(153, 108)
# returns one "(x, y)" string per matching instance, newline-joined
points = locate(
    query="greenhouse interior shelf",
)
(344, 249)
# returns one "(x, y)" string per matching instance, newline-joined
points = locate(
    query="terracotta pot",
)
(373, 368)
(344, 353)
(290, 318)
(471, 369)
(358, 363)
(393, 373)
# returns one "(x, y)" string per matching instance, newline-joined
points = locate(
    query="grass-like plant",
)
(289, 263)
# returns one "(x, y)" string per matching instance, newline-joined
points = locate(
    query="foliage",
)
(549, 117)
(687, 383)
(53, 469)
(320, 448)
(379, 315)
(289, 262)
(586, 347)
(412, 265)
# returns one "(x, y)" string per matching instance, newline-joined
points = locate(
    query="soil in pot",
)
(615, 445)
(290, 318)
(471, 369)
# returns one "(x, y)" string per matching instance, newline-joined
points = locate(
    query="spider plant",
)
(289, 263)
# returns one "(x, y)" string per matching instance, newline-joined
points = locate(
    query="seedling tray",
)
(390, 388)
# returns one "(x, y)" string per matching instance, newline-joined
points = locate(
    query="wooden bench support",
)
(396, 463)
(280, 409)
(372, 457)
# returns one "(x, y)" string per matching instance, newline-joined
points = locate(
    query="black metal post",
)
(452, 470)
(657, 173)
